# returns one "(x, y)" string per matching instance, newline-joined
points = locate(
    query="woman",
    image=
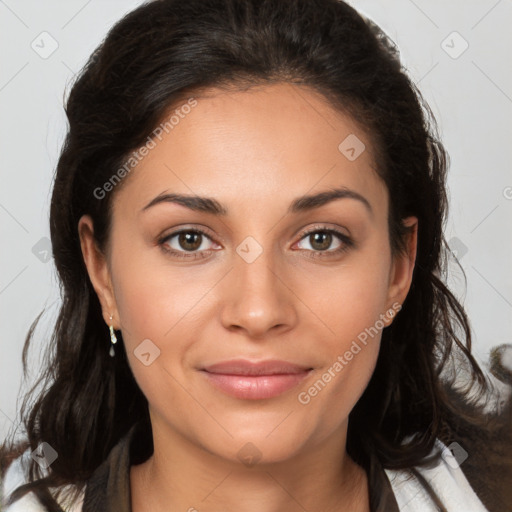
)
(247, 224)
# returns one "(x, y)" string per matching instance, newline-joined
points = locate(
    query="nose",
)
(258, 298)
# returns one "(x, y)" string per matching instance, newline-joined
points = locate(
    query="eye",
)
(321, 239)
(194, 243)
(187, 243)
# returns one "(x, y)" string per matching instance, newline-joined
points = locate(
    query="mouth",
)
(255, 380)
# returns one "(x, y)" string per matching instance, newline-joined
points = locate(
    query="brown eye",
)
(321, 240)
(187, 243)
(190, 240)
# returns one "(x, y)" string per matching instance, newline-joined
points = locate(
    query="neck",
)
(180, 475)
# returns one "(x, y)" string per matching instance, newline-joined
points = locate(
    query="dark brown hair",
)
(170, 49)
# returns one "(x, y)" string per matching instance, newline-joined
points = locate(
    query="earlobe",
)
(403, 265)
(97, 268)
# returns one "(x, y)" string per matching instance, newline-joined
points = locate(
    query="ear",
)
(400, 277)
(98, 270)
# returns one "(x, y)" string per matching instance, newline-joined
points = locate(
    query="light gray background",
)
(470, 94)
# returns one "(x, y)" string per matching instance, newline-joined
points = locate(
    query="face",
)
(257, 272)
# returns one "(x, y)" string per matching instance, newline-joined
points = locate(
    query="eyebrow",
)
(298, 205)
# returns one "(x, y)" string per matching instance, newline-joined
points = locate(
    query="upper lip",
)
(245, 367)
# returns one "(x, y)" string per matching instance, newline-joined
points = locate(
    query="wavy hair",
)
(168, 50)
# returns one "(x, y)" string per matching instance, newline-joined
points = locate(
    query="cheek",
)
(349, 297)
(348, 306)
(154, 303)
(152, 294)
(160, 301)
(350, 348)
(338, 386)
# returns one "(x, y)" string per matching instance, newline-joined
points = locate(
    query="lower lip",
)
(252, 387)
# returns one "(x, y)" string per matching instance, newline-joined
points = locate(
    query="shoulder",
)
(446, 479)
(17, 475)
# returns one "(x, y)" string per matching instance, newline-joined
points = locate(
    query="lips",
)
(255, 380)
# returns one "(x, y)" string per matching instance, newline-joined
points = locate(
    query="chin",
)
(256, 447)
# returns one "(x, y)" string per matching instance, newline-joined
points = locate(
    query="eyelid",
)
(345, 239)
(323, 227)
(188, 228)
(203, 231)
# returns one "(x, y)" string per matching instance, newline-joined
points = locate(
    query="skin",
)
(254, 151)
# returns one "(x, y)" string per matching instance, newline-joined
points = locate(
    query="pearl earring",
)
(113, 338)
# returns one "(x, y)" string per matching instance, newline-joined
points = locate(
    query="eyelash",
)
(347, 243)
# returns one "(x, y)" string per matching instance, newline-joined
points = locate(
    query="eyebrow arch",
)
(300, 204)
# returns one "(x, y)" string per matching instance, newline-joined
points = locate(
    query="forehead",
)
(270, 143)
